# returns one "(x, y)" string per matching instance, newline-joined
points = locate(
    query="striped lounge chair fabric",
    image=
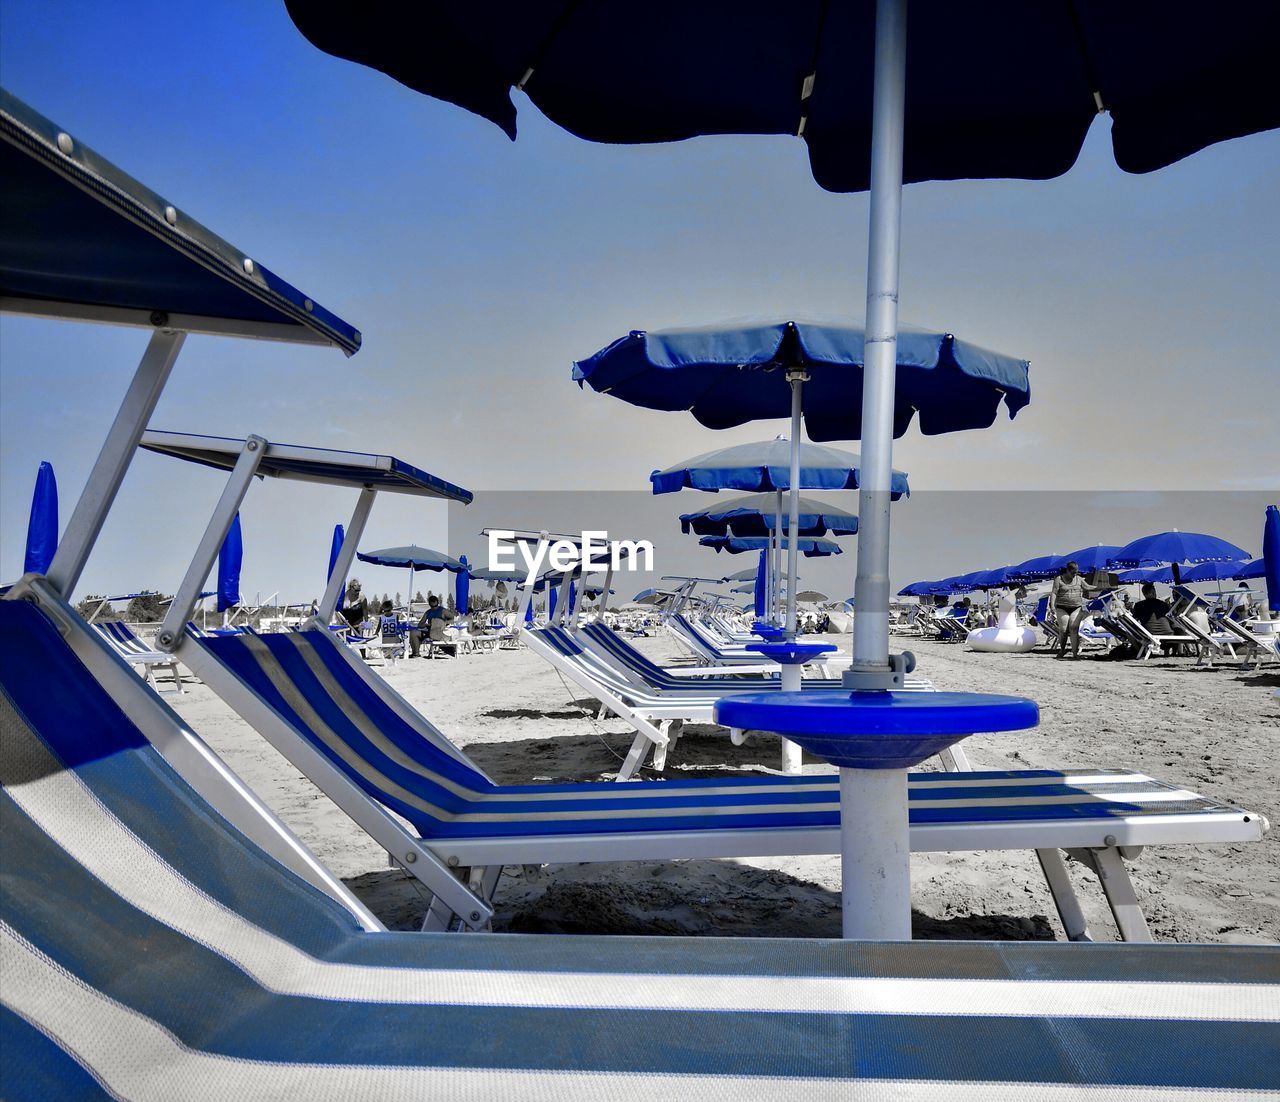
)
(151, 952)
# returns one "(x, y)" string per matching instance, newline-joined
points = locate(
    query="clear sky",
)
(478, 270)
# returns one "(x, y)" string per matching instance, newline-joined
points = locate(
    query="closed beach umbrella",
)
(1271, 556)
(462, 587)
(335, 549)
(230, 559)
(761, 587)
(42, 523)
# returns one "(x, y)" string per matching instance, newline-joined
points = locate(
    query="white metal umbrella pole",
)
(775, 562)
(871, 590)
(797, 380)
(113, 460)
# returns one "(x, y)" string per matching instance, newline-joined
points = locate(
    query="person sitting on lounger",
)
(1153, 613)
(430, 627)
(1067, 598)
(356, 608)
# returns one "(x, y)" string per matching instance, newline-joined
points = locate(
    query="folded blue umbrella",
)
(729, 374)
(462, 587)
(765, 466)
(335, 549)
(760, 588)
(42, 524)
(1271, 556)
(756, 515)
(735, 545)
(1177, 547)
(230, 560)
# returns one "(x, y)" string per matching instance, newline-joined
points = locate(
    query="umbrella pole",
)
(775, 561)
(871, 590)
(796, 379)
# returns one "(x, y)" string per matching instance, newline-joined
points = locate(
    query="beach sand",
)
(1215, 731)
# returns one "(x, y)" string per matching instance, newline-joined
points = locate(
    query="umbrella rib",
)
(1090, 70)
(535, 60)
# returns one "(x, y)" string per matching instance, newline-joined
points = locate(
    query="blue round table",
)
(874, 738)
(768, 632)
(791, 656)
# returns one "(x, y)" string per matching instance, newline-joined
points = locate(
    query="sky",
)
(479, 269)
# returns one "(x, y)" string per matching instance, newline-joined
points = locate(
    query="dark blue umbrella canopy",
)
(230, 559)
(1250, 570)
(760, 587)
(42, 523)
(1177, 547)
(1030, 570)
(462, 587)
(1147, 574)
(729, 374)
(756, 515)
(1002, 89)
(735, 545)
(1098, 557)
(1215, 571)
(766, 466)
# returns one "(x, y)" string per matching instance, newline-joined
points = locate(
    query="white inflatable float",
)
(1008, 635)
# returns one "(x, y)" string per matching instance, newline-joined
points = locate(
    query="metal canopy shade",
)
(729, 374)
(756, 515)
(766, 465)
(735, 545)
(294, 461)
(1178, 547)
(413, 557)
(82, 239)
(665, 72)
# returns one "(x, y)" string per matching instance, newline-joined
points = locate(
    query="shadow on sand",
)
(674, 899)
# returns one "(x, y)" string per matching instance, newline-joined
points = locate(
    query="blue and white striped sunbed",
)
(125, 642)
(150, 952)
(323, 699)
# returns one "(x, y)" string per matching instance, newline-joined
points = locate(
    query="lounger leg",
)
(1064, 895)
(177, 678)
(955, 760)
(438, 917)
(484, 881)
(1121, 897)
(792, 758)
(636, 755)
(660, 751)
(602, 712)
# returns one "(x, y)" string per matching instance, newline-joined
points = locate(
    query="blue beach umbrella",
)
(1139, 575)
(1211, 572)
(412, 557)
(1177, 547)
(765, 466)
(666, 72)
(230, 559)
(42, 523)
(462, 587)
(1250, 570)
(756, 515)
(1271, 556)
(736, 545)
(1037, 569)
(1098, 557)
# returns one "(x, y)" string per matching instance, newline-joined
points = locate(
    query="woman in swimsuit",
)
(1067, 599)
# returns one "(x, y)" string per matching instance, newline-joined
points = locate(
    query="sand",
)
(1214, 731)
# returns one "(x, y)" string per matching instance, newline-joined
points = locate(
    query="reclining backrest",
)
(106, 847)
(313, 688)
